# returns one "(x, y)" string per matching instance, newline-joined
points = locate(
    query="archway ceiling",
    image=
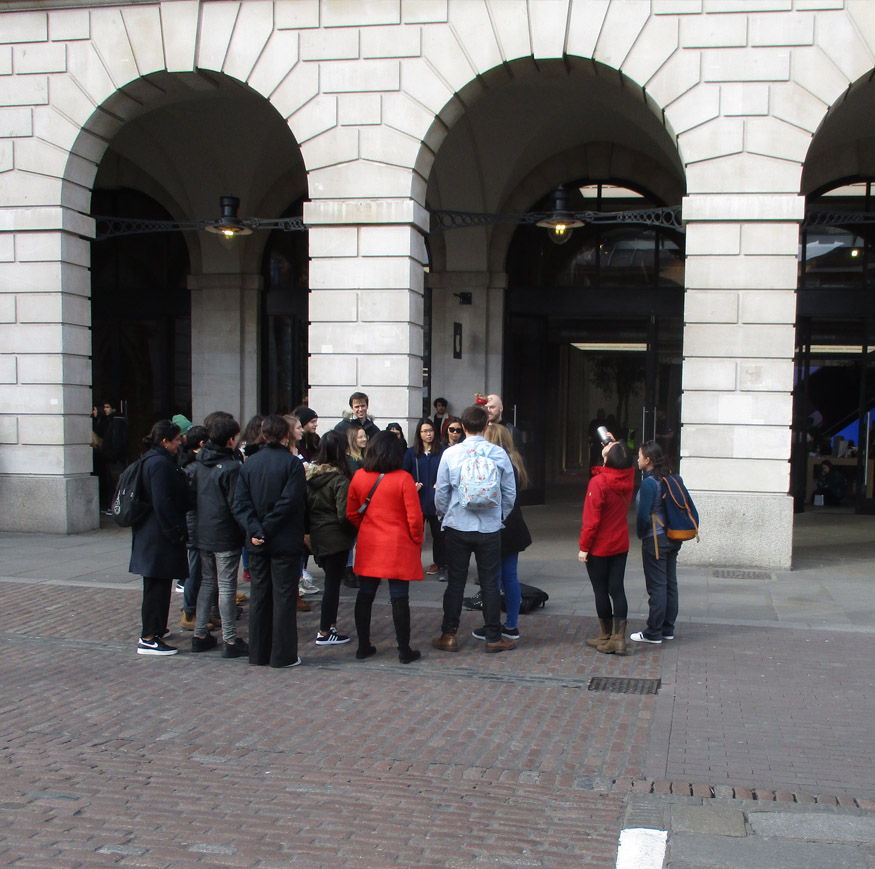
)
(531, 122)
(844, 145)
(522, 124)
(199, 137)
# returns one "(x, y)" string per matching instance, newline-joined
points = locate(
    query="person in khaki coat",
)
(332, 535)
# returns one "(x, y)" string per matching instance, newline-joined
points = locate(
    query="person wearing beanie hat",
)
(182, 421)
(308, 446)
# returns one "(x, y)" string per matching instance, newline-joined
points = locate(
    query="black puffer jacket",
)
(185, 459)
(213, 480)
(330, 530)
(270, 501)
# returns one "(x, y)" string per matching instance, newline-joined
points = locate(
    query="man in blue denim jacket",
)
(476, 531)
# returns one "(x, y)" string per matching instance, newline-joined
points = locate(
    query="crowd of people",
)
(358, 500)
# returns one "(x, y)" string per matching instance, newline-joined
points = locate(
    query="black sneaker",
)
(473, 603)
(237, 649)
(479, 633)
(203, 644)
(332, 638)
(297, 663)
(510, 633)
(154, 647)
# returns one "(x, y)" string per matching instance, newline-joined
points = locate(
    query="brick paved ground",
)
(767, 708)
(458, 760)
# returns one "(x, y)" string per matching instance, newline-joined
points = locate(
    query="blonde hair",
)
(352, 434)
(498, 434)
(293, 422)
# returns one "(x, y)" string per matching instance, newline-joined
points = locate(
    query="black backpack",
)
(531, 598)
(129, 506)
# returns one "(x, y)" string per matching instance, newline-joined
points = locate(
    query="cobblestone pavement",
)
(458, 760)
(756, 751)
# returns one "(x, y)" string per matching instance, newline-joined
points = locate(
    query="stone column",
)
(366, 280)
(739, 340)
(480, 368)
(45, 372)
(225, 358)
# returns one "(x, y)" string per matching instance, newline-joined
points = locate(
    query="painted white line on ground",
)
(641, 848)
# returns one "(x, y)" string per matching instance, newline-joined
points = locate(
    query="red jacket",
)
(605, 529)
(390, 533)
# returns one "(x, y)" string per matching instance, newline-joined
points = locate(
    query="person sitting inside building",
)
(832, 484)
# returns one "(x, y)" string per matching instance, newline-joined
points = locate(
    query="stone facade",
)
(395, 107)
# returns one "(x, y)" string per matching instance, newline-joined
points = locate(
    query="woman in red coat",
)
(604, 543)
(389, 539)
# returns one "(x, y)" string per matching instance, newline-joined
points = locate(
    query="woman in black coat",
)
(270, 504)
(158, 550)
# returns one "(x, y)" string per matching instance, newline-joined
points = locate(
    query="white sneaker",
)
(307, 575)
(307, 586)
(639, 637)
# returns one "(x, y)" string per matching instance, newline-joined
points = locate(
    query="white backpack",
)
(479, 483)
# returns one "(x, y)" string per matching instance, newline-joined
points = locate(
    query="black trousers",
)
(273, 609)
(156, 605)
(606, 574)
(486, 549)
(334, 566)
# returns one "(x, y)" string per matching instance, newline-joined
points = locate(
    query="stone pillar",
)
(366, 280)
(225, 358)
(45, 372)
(739, 340)
(480, 368)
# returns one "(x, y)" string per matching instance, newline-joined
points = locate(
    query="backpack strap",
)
(680, 500)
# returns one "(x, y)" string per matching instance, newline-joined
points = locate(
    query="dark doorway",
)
(285, 319)
(834, 395)
(593, 334)
(141, 316)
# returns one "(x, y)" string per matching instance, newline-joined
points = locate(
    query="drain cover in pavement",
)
(742, 574)
(617, 685)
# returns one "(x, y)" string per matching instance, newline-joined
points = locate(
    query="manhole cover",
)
(742, 574)
(617, 685)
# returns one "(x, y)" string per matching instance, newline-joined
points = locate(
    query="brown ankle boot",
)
(303, 606)
(604, 634)
(616, 643)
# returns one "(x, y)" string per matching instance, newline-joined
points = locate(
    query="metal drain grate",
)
(742, 574)
(617, 685)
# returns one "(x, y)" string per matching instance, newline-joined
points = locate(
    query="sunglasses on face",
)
(455, 430)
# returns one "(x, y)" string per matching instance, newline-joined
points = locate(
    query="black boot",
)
(350, 580)
(401, 618)
(363, 626)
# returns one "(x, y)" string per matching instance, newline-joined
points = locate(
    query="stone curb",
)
(731, 792)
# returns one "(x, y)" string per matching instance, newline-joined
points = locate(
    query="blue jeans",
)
(218, 577)
(661, 581)
(487, 553)
(509, 580)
